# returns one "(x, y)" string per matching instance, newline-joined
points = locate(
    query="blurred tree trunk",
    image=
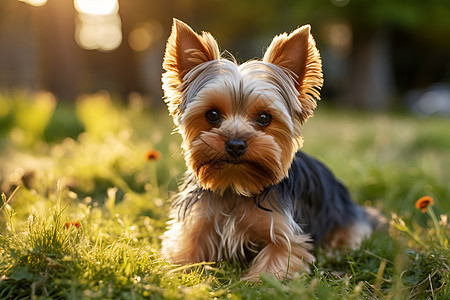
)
(370, 80)
(60, 60)
(18, 61)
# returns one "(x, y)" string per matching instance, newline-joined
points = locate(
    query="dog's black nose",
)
(235, 147)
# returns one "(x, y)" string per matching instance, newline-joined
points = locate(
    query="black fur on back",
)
(314, 197)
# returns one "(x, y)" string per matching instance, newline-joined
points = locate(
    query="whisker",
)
(207, 144)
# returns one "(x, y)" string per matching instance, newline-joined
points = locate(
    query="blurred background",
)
(81, 100)
(377, 55)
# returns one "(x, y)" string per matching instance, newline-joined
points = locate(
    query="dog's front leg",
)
(189, 240)
(286, 249)
(282, 260)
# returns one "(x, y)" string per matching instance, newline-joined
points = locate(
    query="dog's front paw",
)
(281, 261)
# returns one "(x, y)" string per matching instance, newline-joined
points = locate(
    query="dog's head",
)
(240, 123)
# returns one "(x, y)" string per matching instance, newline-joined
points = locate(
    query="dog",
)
(249, 194)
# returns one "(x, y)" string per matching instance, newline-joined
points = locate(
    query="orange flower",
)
(424, 202)
(153, 155)
(76, 224)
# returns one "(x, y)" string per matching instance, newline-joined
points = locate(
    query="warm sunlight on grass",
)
(85, 195)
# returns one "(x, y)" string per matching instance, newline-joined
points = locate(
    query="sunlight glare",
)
(99, 32)
(98, 25)
(96, 7)
(35, 2)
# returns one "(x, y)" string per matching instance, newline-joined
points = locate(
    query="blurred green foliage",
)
(101, 150)
(28, 116)
(426, 20)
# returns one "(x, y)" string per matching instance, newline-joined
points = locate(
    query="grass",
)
(82, 209)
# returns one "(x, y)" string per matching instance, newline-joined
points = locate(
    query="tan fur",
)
(281, 261)
(297, 53)
(223, 231)
(228, 225)
(272, 149)
(352, 236)
(184, 50)
(219, 175)
(349, 237)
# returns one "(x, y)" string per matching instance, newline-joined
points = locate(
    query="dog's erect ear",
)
(297, 53)
(186, 49)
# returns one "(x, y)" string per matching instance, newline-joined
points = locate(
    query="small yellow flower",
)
(424, 202)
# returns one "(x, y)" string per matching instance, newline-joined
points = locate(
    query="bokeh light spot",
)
(341, 38)
(99, 32)
(98, 25)
(35, 2)
(142, 37)
(96, 7)
(139, 39)
(340, 3)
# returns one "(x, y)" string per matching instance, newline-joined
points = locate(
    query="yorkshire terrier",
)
(249, 195)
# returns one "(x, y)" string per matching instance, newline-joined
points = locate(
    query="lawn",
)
(85, 194)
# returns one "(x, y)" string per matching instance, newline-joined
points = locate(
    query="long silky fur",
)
(310, 195)
(173, 77)
(310, 80)
(270, 224)
(317, 201)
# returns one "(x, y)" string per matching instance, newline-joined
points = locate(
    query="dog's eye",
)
(213, 117)
(264, 119)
